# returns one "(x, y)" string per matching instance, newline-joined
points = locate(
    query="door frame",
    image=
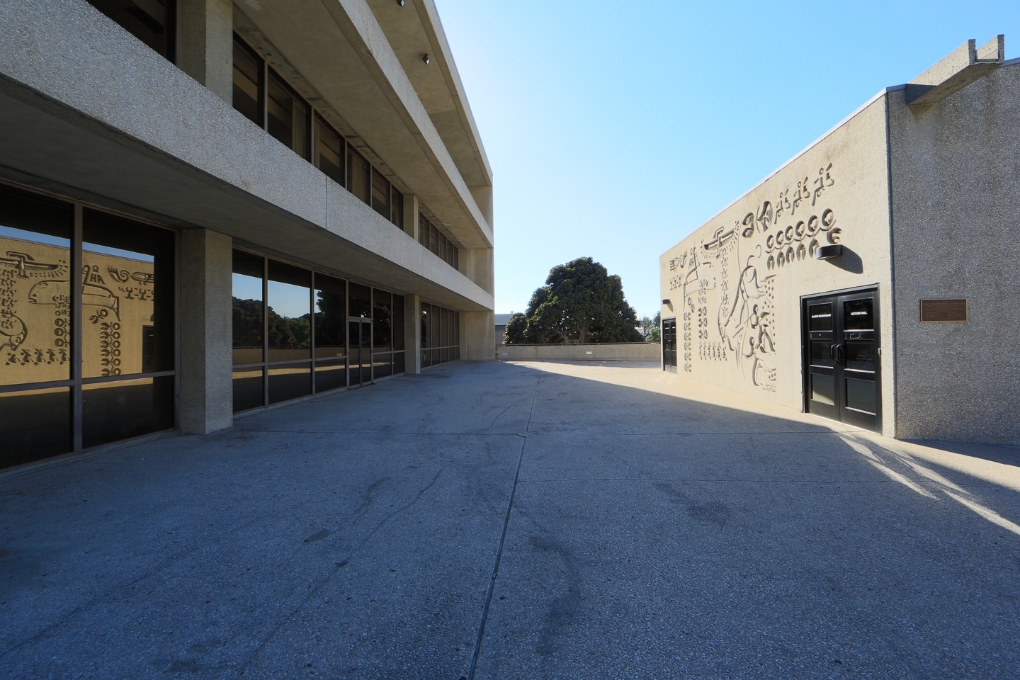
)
(362, 322)
(805, 348)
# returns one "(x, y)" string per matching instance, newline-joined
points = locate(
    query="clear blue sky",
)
(615, 128)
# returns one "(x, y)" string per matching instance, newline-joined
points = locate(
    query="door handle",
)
(838, 354)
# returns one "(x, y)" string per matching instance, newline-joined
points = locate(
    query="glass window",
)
(330, 376)
(289, 382)
(423, 230)
(35, 424)
(247, 81)
(857, 315)
(380, 194)
(382, 316)
(330, 317)
(126, 408)
(820, 317)
(357, 175)
(288, 116)
(248, 392)
(35, 289)
(128, 297)
(398, 322)
(329, 152)
(456, 259)
(360, 301)
(442, 247)
(289, 312)
(248, 273)
(434, 239)
(426, 339)
(398, 208)
(151, 21)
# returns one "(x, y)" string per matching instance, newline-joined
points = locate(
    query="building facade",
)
(208, 208)
(858, 281)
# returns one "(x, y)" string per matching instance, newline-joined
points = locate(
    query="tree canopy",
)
(579, 303)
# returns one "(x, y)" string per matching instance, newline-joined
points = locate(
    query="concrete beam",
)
(206, 399)
(206, 44)
(955, 71)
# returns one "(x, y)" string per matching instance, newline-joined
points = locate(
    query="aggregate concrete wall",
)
(955, 195)
(735, 284)
(608, 352)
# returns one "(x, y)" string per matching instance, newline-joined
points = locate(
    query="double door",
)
(669, 345)
(359, 337)
(841, 354)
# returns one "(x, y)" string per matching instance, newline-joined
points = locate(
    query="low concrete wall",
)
(614, 352)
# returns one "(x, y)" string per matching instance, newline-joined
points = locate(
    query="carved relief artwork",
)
(727, 281)
(35, 312)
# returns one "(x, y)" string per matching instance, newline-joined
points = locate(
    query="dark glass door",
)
(360, 338)
(842, 376)
(669, 345)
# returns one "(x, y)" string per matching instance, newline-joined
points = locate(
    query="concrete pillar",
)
(206, 308)
(206, 44)
(411, 215)
(478, 336)
(477, 265)
(412, 334)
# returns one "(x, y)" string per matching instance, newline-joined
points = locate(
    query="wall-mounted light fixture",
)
(425, 58)
(667, 302)
(828, 252)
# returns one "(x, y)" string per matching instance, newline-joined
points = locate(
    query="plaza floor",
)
(494, 520)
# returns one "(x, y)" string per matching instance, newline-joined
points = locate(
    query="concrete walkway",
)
(636, 525)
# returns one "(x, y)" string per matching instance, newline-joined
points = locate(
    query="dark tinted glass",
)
(398, 322)
(357, 175)
(34, 424)
(248, 389)
(330, 317)
(857, 315)
(128, 297)
(382, 317)
(288, 116)
(382, 365)
(862, 395)
(442, 247)
(247, 82)
(126, 408)
(289, 309)
(398, 208)
(247, 315)
(823, 388)
(423, 230)
(289, 382)
(35, 289)
(456, 328)
(434, 239)
(860, 354)
(820, 353)
(330, 376)
(329, 152)
(820, 317)
(444, 354)
(151, 21)
(360, 301)
(398, 362)
(456, 258)
(380, 194)
(425, 338)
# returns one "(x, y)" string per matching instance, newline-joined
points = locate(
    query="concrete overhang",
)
(955, 71)
(89, 111)
(339, 47)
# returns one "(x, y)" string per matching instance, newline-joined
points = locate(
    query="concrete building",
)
(501, 321)
(858, 281)
(263, 201)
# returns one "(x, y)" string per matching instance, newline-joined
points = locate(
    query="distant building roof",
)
(502, 319)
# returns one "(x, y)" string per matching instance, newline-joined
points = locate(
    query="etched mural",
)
(35, 313)
(727, 281)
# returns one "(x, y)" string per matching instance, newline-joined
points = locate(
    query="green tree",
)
(651, 327)
(579, 303)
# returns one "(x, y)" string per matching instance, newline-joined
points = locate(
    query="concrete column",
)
(477, 265)
(206, 308)
(483, 199)
(412, 334)
(478, 336)
(411, 215)
(206, 44)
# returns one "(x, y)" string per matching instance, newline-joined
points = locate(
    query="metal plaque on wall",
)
(944, 310)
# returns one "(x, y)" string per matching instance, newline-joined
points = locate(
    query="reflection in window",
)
(35, 289)
(382, 316)
(360, 301)
(288, 116)
(289, 312)
(247, 313)
(357, 175)
(380, 194)
(247, 82)
(126, 408)
(127, 297)
(329, 152)
(330, 317)
(34, 424)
